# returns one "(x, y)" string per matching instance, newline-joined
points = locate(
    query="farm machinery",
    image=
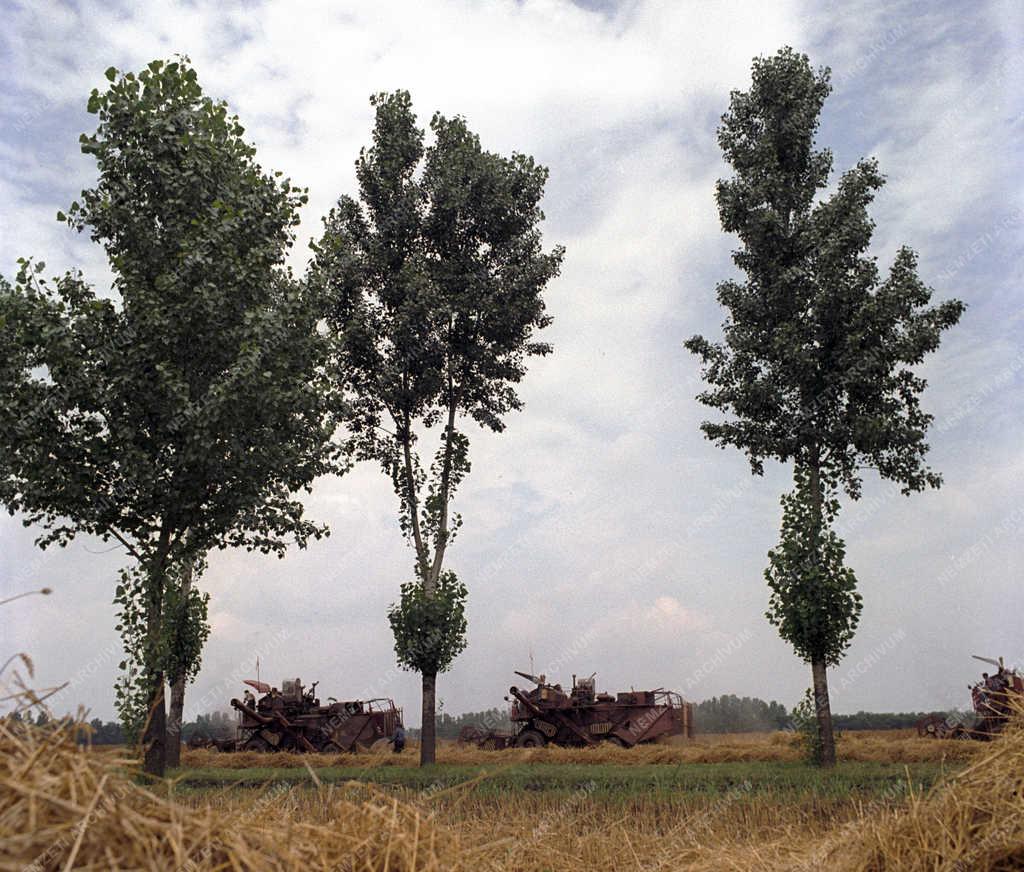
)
(546, 714)
(993, 700)
(293, 719)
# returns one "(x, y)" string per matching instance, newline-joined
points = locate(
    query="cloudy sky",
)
(601, 531)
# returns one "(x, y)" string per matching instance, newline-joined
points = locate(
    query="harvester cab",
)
(583, 688)
(291, 690)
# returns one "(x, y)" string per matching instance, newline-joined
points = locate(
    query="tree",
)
(432, 284)
(182, 412)
(816, 362)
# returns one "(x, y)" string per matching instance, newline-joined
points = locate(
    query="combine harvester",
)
(993, 699)
(547, 714)
(292, 719)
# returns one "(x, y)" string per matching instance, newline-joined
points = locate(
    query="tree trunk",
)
(820, 679)
(428, 736)
(174, 716)
(824, 711)
(177, 708)
(154, 736)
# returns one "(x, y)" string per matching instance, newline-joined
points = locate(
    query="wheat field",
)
(888, 746)
(67, 807)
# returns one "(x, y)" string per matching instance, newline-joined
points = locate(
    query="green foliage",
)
(186, 625)
(610, 782)
(174, 651)
(732, 714)
(432, 283)
(884, 720)
(215, 725)
(102, 733)
(182, 411)
(805, 723)
(189, 401)
(134, 685)
(814, 601)
(449, 726)
(816, 362)
(429, 628)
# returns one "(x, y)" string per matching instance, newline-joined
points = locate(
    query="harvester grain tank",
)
(546, 714)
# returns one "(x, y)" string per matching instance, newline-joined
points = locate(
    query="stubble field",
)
(731, 802)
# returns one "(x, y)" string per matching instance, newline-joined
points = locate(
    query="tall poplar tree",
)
(816, 364)
(432, 281)
(181, 411)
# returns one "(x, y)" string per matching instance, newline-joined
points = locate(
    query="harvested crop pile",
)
(974, 822)
(61, 809)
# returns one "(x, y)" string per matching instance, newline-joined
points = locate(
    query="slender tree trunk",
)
(824, 710)
(429, 570)
(428, 728)
(154, 736)
(174, 716)
(428, 735)
(177, 707)
(818, 672)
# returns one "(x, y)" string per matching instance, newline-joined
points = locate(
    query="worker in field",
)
(249, 699)
(398, 739)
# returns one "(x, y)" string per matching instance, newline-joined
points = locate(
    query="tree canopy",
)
(182, 410)
(818, 349)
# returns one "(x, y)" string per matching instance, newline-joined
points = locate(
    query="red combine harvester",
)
(548, 715)
(292, 719)
(993, 699)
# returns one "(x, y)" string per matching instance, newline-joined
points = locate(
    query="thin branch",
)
(113, 532)
(446, 469)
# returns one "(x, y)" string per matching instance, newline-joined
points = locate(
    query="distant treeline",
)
(720, 714)
(218, 725)
(735, 714)
(449, 726)
(878, 720)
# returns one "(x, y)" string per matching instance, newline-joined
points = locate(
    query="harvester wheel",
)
(616, 740)
(257, 743)
(530, 739)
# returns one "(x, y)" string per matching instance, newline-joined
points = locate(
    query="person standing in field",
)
(398, 739)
